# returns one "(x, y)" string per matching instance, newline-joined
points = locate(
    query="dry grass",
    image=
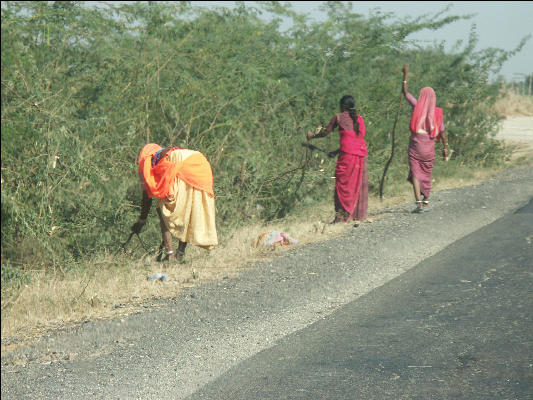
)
(513, 104)
(113, 287)
(117, 286)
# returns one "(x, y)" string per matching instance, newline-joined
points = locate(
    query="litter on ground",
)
(274, 238)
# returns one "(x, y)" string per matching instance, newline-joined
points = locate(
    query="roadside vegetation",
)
(83, 89)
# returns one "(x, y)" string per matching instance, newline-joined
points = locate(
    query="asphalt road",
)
(177, 349)
(457, 326)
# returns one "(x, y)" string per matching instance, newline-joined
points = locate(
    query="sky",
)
(499, 24)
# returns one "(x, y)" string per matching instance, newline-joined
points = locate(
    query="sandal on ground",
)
(419, 209)
(336, 220)
(166, 258)
(179, 257)
(426, 205)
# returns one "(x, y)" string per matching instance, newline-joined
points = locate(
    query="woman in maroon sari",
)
(426, 127)
(351, 173)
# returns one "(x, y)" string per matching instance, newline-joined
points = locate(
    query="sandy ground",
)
(518, 131)
(184, 343)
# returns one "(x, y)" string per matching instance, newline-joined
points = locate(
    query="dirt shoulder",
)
(188, 341)
(51, 305)
(518, 131)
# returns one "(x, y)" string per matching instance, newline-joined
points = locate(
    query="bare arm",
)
(445, 146)
(145, 209)
(404, 83)
(322, 132)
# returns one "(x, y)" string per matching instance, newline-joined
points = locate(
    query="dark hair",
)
(348, 104)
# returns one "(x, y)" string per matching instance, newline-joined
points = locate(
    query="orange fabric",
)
(147, 151)
(195, 171)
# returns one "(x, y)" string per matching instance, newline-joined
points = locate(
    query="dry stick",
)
(37, 105)
(392, 150)
(219, 155)
(303, 167)
(83, 291)
(312, 147)
(11, 303)
(156, 73)
(123, 247)
(147, 124)
(143, 245)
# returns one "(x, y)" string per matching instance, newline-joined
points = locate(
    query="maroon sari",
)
(421, 158)
(426, 125)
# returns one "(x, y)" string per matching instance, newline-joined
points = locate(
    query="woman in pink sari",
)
(427, 126)
(351, 173)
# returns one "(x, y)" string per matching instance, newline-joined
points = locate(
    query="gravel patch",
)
(179, 346)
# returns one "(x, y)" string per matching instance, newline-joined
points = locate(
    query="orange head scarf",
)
(195, 170)
(147, 151)
(426, 116)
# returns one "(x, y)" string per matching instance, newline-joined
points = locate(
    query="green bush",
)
(84, 89)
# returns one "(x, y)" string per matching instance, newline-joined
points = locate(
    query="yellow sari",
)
(189, 213)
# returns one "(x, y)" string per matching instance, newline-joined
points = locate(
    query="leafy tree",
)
(83, 89)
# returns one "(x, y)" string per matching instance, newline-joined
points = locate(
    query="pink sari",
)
(351, 188)
(351, 175)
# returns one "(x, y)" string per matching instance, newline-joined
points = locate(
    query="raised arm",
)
(408, 96)
(404, 83)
